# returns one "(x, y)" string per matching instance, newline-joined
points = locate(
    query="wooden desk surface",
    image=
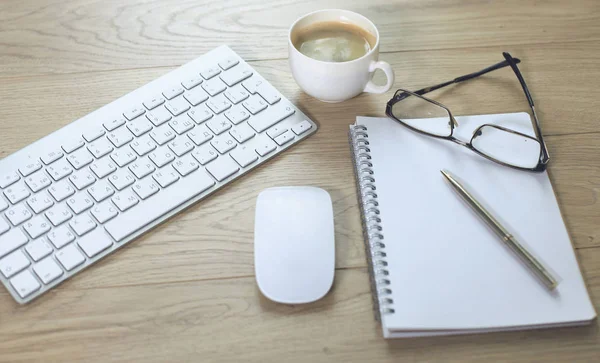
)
(186, 291)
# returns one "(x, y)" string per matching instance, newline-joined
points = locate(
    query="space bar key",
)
(158, 205)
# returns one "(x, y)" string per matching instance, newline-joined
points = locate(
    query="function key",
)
(113, 124)
(154, 102)
(191, 82)
(8, 179)
(134, 112)
(51, 157)
(236, 75)
(209, 73)
(72, 145)
(91, 135)
(227, 63)
(173, 92)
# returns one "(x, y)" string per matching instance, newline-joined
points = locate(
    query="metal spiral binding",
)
(371, 220)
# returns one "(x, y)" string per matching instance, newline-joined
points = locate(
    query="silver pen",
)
(530, 261)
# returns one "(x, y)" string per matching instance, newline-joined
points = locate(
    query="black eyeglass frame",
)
(544, 157)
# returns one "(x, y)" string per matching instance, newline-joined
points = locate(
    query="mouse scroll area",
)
(294, 244)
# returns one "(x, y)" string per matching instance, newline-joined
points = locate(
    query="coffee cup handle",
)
(389, 73)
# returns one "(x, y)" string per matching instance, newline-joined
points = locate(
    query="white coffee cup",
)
(337, 81)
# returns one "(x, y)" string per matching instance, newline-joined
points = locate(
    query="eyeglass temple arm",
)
(462, 78)
(538, 131)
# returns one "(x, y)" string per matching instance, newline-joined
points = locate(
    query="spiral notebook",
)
(436, 269)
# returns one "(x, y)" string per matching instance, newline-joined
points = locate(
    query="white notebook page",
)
(448, 270)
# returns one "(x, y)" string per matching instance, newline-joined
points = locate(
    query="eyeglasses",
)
(496, 143)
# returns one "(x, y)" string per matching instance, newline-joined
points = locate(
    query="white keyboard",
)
(82, 192)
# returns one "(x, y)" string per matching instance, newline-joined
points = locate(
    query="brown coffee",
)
(333, 41)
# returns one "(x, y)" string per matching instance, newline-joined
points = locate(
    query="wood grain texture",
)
(39, 37)
(186, 290)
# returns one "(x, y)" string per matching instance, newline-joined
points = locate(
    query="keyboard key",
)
(121, 179)
(58, 215)
(143, 145)
(177, 106)
(181, 146)
(145, 188)
(182, 124)
(36, 227)
(253, 84)
(24, 284)
(38, 249)
(214, 86)
(114, 123)
(8, 179)
(82, 224)
(154, 102)
(200, 114)
(265, 146)
(255, 104)
(18, 214)
(222, 168)
(94, 243)
(52, 156)
(82, 179)
(61, 190)
(173, 92)
(13, 263)
(72, 145)
(100, 148)
(210, 72)
(101, 190)
(90, 135)
(159, 116)
(236, 94)
(47, 270)
(38, 181)
(59, 170)
(244, 155)
(125, 200)
(237, 114)
(162, 157)
(80, 158)
(271, 116)
(284, 138)
(140, 126)
(223, 143)
(4, 226)
(11, 240)
(218, 125)
(40, 202)
(276, 131)
(16, 193)
(141, 168)
(136, 218)
(196, 96)
(205, 154)
(103, 167)
(3, 204)
(30, 167)
(78, 203)
(301, 127)
(70, 257)
(162, 134)
(104, 212)
(191, 82)
(134, 112)
(166, 177)
(200, 134)
(123, 156)
(267, 92)
(236, 75)
(60, 236)
(227, 63)
(120, 137)
(186, 165)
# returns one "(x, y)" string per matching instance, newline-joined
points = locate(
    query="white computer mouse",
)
(294, 244)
